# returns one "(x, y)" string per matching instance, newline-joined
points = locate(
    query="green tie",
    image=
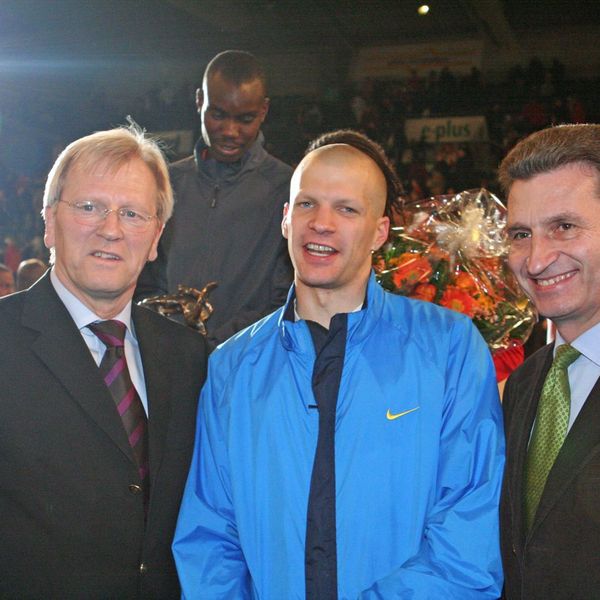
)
(550, 430)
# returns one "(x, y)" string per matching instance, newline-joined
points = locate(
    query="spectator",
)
(29, 272)
(230, 196)
(7, 280)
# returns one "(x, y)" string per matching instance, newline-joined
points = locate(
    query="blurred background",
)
(447, 88)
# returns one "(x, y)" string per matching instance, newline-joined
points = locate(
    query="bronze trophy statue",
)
(193, 304)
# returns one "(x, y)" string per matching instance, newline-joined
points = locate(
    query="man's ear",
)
(284, 221)
(199, 99)
(381, 232)
(49, 226)
(153, 251)
(265, 109)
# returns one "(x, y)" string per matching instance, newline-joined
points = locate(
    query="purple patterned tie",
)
(115, 373)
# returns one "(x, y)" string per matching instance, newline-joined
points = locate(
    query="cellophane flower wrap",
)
(452, 251)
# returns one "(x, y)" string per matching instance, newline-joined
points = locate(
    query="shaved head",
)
(334, 221)
(343, 156)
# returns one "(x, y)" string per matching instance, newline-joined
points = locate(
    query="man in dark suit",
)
(98, 396)
(550, 515)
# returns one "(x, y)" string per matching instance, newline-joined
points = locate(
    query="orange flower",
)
(406, 257)
(486, 303)
(424, 291)
(412, 269)
(460, 301)
(379, 265)
(465, 281)
(436, 254)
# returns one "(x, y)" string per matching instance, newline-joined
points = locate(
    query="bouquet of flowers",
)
(452, 251)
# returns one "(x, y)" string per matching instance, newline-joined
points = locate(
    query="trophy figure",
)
(193, 304)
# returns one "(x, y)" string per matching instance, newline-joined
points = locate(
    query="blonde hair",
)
(114, 148)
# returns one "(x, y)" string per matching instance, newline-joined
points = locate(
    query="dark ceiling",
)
(142, 29)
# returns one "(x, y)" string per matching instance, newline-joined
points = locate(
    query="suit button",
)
(135, 489)
(143, 568)
(514, 550)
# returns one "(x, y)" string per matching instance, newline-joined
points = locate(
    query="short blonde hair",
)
(114, 147)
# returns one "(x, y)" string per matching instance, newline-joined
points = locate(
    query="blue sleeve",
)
(459, 557)
(207, 552)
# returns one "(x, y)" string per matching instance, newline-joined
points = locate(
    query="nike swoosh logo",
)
(391, 417)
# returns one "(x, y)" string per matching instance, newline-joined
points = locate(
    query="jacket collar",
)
(216, 170)
(296, 337)
(582, 441)
(60, 347)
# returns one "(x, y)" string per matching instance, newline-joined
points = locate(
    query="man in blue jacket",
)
(350, 444)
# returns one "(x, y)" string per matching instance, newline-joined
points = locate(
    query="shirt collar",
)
(297, 317)
(80, 313)
(588, 343)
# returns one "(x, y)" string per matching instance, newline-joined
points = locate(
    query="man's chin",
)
(107, 291)
(225, 156)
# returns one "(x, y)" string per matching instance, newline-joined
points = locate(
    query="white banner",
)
(398, 62)
(446, 129)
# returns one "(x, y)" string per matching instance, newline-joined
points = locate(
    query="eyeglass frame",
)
(78, 206)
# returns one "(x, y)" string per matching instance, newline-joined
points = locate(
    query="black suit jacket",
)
(559, 557)
(71, 516)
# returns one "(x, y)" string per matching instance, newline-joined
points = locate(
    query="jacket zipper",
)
(215, 196)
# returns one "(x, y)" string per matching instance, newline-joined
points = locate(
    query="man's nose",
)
(230, 128)
(110, 227)
(542, 253)
(323, 220)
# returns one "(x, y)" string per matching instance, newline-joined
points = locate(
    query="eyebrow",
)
(567, 216)
(516, 227)
(303, 197)
(252, 113)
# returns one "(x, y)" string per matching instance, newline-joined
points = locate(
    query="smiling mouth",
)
(319, 249)
(228, 149)
(554, 280)
(106, 255)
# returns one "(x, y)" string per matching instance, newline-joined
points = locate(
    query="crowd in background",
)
(529, 99)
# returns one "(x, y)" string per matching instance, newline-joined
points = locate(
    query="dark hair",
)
(395, 192)
(550, 149)
(237, 67)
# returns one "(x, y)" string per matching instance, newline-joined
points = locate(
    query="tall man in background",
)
(98, 396)
(350, 444)
(229, 196)
(550, 518)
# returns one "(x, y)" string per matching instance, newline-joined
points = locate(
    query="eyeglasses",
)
(94, 213)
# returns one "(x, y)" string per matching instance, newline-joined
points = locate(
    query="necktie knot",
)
(111, 333)
(565, 355)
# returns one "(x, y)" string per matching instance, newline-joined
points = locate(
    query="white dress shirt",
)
(83, 316)
(583, 372)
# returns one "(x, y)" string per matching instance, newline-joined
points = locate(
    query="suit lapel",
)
(582, 440)
(61, 348)
(153, 350)
(522, 418)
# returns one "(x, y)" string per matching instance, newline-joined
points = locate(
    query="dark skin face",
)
(231, 115)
